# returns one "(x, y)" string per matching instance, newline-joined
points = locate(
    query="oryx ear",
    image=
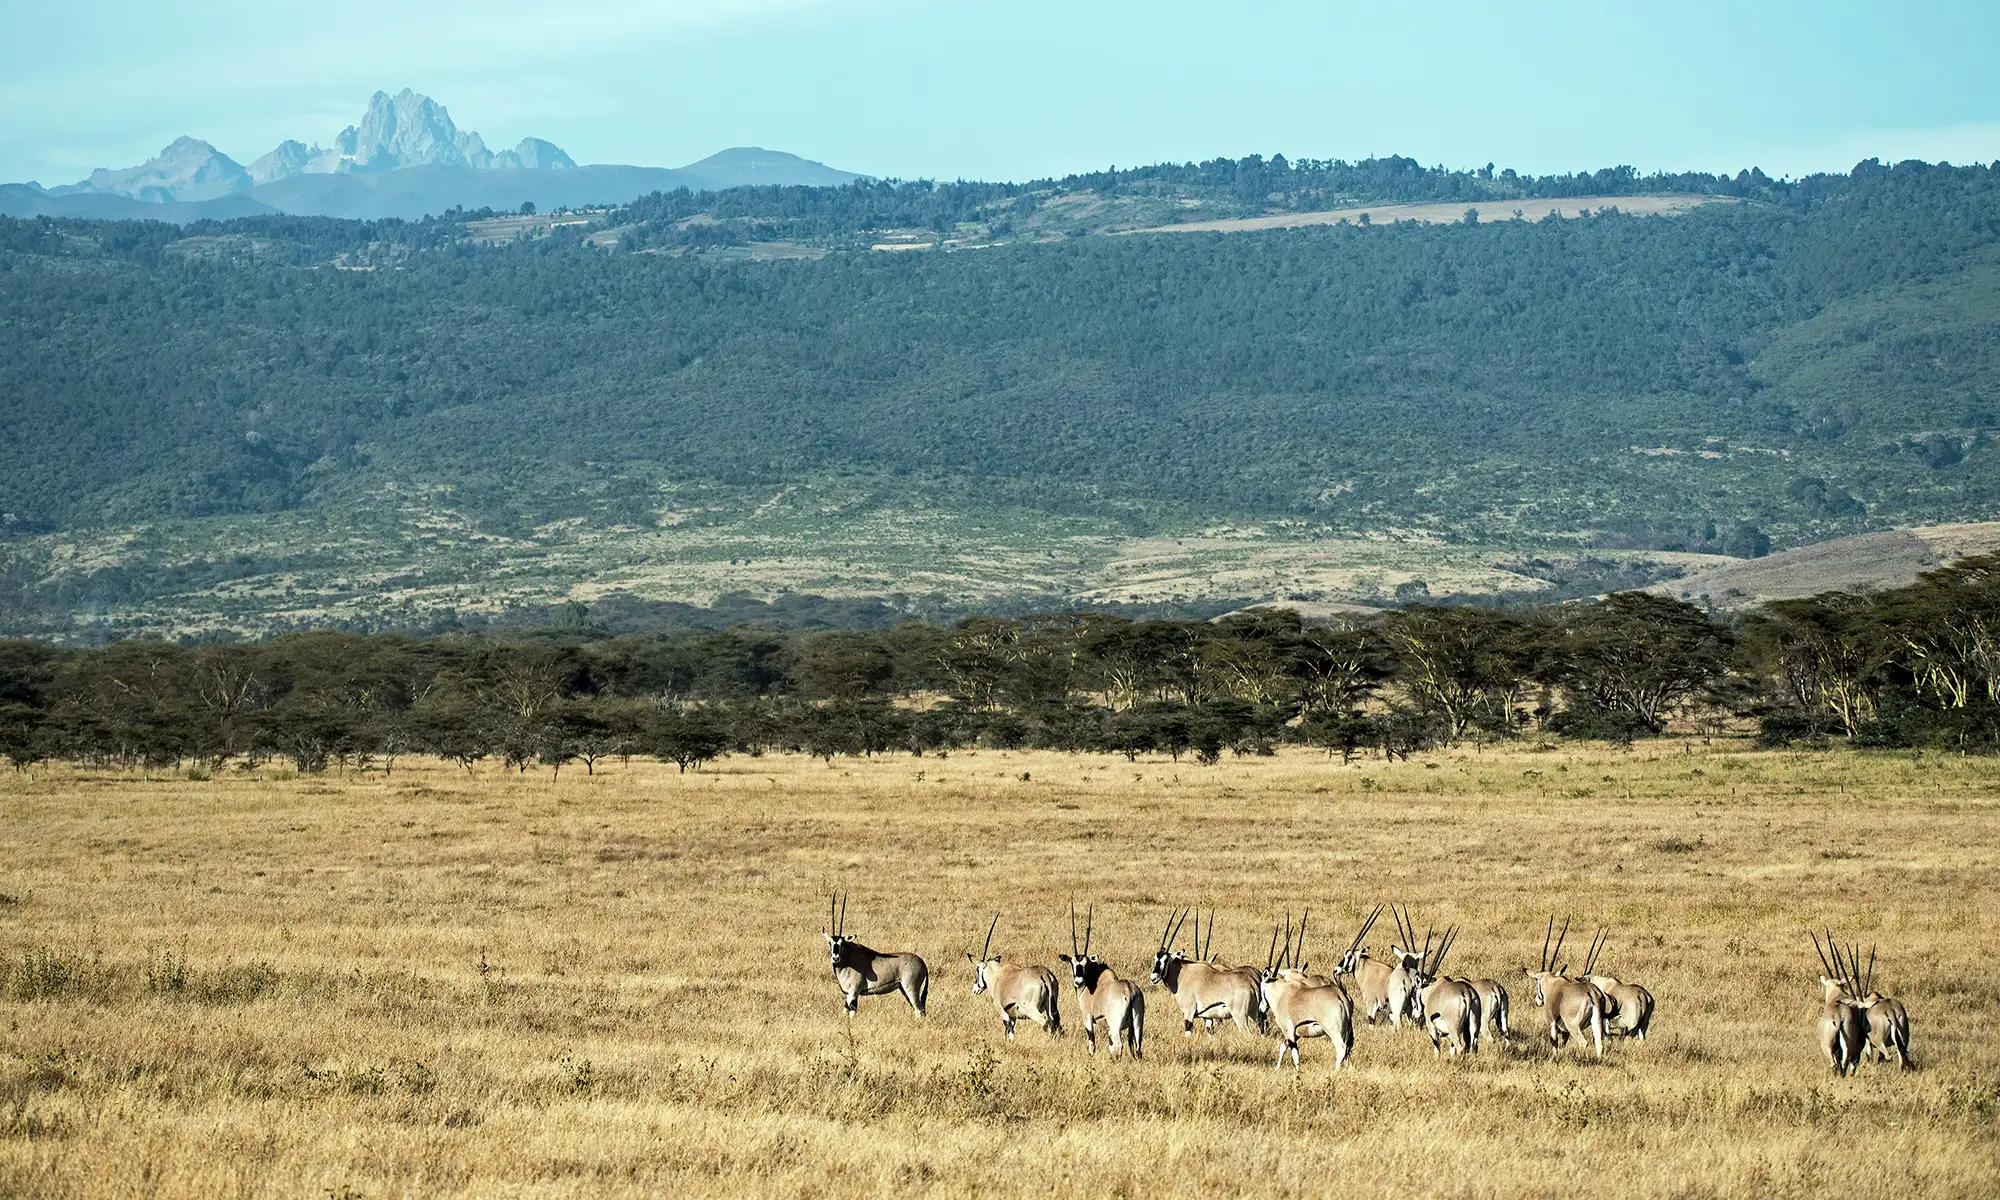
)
(829, 937)
(1066, 958)
(1563, 970)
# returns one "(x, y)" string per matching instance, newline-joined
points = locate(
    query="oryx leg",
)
(1090, 1035)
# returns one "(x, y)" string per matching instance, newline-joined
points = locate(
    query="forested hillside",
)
(1810, 358)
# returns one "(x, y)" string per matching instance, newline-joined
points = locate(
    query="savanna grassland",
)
(442, 983)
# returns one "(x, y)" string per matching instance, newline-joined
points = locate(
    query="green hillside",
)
(1814, 358)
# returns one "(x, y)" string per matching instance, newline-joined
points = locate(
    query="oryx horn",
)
(1597, 945)
(1549, 956)
(989, 937)
(1436, 968)
(1362, 935)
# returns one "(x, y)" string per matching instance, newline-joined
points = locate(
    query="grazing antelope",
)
(1102, 996)
(1018, 990)
(1628, 1008)
(1888, 1020)
(1302, 1005)
(1575, 1008)
(1450, 1007)
(859, 971)
(1843, 1026)
(1383, 985)
(1206, 991)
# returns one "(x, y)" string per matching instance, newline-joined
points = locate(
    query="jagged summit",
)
(404, 130)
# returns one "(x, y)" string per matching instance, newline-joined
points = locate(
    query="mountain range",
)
(406, 158)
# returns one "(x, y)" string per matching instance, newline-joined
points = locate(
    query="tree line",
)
(1916, 666)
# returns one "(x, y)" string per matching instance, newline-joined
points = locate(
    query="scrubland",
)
(435, 982)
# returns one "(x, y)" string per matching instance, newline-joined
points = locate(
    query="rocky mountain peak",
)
(408, 129)
(289, 159)
(188, 169)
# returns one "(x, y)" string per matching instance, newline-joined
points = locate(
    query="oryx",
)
(860, 971)
(1382, 986)
(1575, 1008)
(1843, 1025)
(1628, 1008)
(1017, 990)
(1888, 1021)
(1450, 1007)
(1205, 991)
(1302, 1005)
(1492, 1008)
(1102, 996)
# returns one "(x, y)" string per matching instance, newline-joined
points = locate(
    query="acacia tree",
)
(1640, 655)
(1825, 655)
(1459, 666)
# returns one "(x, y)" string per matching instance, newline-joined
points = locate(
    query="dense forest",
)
(1810, 358)
(1917, 666)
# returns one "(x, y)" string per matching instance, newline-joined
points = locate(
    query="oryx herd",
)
(1285, 998)
(1855, 1020)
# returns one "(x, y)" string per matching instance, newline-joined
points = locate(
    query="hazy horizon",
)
(915, 89)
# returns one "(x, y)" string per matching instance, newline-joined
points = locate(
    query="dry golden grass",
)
(444, 984)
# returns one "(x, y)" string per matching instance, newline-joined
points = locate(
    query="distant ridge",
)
(406, 158)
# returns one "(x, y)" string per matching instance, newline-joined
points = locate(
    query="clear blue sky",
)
(912, 88)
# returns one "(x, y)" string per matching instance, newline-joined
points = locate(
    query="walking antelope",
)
(859, 971)
(1102, 996)
(1383, 985)
(1628, 1008)
(1206, 991)
(1018, 990)
(1575, 1008)
(1451, 1007)
(1843, 1025)
(1302, 1005)
(1888, 1020)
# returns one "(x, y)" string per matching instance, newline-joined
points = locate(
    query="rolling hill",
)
(277, 420)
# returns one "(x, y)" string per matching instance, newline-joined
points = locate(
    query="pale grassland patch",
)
(615, 984)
